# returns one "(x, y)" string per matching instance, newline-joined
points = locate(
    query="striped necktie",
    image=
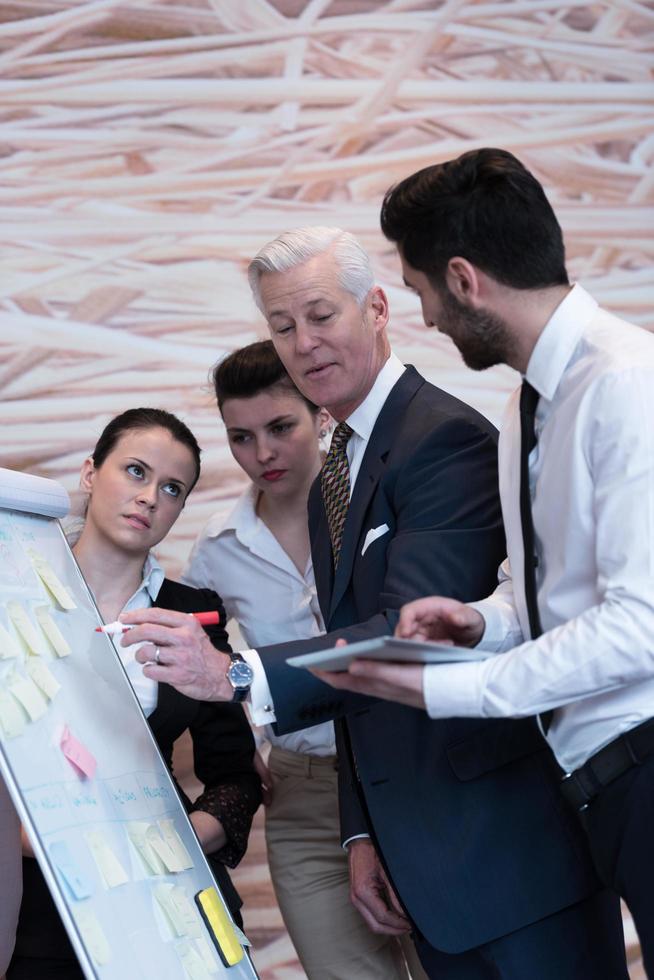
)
(335, 484)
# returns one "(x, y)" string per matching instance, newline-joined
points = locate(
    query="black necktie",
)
(528, 402)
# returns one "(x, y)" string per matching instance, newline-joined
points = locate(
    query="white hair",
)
(294, 248)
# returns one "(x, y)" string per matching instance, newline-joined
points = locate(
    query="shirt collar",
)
(153, 576)
(556, 344)
(242, 519)
(362, 420)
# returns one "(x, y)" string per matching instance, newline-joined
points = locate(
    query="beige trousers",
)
(309, 869)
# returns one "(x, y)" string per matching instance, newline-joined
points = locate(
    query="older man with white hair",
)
(453, 828)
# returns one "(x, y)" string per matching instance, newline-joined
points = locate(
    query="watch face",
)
(240, 675)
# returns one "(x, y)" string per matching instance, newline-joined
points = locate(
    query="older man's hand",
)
(371, 892)
(379, 679)
(177, 651)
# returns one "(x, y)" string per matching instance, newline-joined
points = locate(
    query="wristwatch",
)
(240, 675)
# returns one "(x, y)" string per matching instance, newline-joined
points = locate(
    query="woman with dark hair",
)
(259, 558)
(138, 478)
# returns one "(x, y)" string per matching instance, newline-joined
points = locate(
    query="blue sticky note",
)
(64, 861)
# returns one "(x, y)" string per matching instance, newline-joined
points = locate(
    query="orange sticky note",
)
(77, 754)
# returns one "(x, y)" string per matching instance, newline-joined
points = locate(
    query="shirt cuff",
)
(354, 837)
(453, 690)
(502, 630)
(260, 705)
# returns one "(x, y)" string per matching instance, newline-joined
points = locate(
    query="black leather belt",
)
(582, 786)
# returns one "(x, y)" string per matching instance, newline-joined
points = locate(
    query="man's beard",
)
(482, 337)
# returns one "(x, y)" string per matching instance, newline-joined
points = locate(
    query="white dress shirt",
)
(262, 589)
(362, 422)
(592, 484)
(146, 690)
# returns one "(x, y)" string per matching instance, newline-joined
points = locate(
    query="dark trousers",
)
(620, 827)
(582, 942)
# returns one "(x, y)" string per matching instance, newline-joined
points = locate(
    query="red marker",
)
(204, 619)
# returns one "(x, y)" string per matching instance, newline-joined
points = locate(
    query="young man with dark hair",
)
(481, 246)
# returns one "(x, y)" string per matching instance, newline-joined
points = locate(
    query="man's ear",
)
(86, 475)
(377, 302)
(463, 281)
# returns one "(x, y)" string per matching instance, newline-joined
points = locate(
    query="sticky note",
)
(77, 754)
(193, 964)
(186, 912)
(8, 645)
(46, 573)
(25, 690)
(93, 936)
(12, 717)
(164, 896)
(240, 935)
(137, 833)
(205, 951)
(25, 627)
(219, 926)
(52, 631)
(171, 861)
(175, 843)
(69, 870)
(44, 680)
(110, 868)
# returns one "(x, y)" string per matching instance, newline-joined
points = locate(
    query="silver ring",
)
(157, 655)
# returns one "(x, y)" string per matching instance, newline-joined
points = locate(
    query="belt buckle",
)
(577, 786)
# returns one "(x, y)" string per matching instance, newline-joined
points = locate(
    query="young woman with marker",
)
(138, 477)
(259, 559)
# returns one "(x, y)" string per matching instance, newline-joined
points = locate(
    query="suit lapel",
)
(373, 465)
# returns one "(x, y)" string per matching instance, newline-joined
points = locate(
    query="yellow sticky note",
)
(110, 868)
(194, 966)
(93, 936)
(162, 850)
(25, 690)
(137, 832)
(164, 896)
(25, 627)
(176, 845)
(46, 573)
(52, 631)
(44, 680)
(186, 912)
(219, 926)
(12, 715)
(205, 951)
(8, 645)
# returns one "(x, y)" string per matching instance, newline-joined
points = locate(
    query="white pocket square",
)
(372, 535)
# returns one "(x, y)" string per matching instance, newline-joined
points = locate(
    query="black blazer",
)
(223, 745)
(466, 814)
(223, 754)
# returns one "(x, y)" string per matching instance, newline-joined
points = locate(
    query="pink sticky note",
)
(78, 756)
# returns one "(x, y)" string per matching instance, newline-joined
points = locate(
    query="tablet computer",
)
(387, 648)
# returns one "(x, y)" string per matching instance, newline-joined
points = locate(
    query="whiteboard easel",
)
(119, 931)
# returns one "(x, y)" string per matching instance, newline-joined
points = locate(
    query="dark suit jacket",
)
(223, 752)
(466, 813)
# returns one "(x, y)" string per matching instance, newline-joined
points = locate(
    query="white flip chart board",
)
(85, 774)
